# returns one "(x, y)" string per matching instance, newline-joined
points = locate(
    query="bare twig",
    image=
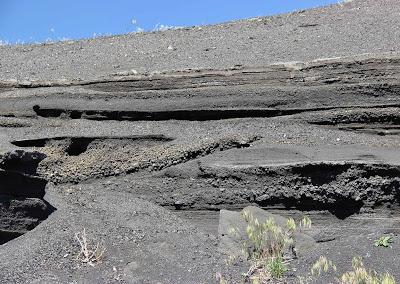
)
(88, 253)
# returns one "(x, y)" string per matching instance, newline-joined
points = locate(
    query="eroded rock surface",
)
(22, 206)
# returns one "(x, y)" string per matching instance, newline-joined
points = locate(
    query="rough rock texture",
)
(21, 194)
(341, 179)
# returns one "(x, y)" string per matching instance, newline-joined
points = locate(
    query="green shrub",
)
(383, 241)
(277, 268)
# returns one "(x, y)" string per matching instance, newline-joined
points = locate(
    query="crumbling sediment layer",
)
(74, 159)
(343, 182)
(22, 204)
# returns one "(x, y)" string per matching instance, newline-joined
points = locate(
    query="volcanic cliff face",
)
(22, 192)
(142, 146)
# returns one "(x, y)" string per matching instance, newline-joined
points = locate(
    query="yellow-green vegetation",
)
(277, 268)
(265, 246)
(383, 241)
(322, 265)
(358, 275)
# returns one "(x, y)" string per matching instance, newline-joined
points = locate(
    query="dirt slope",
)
(361, 26)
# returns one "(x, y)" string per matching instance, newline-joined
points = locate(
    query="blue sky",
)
(25, 21)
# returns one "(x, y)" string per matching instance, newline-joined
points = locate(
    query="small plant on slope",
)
(89, 253)
(383, 241)
(265, 247)
(277, 268)
(358, 275)
(322, 265)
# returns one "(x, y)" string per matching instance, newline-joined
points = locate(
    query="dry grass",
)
(265, 246)
(89, 253)
(358, 275)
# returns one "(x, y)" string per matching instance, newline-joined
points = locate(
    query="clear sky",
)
(24, 21)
